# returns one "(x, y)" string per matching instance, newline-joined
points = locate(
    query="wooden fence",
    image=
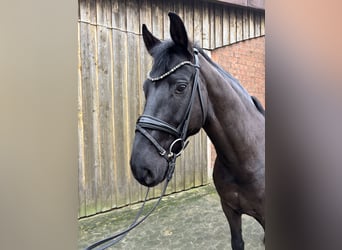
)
(113, 64)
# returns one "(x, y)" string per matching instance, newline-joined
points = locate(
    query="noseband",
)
(180, 133)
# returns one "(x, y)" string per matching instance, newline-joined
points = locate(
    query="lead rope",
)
(100, 245)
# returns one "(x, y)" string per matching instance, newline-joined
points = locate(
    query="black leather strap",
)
(161, 150)
(151, 122)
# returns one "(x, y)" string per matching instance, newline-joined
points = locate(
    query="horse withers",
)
(186, 91)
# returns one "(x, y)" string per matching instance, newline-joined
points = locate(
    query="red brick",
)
(245, 61)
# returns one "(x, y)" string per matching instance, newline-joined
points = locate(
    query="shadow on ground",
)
(188, 220)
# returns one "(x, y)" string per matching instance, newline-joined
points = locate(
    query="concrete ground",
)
(188, 220)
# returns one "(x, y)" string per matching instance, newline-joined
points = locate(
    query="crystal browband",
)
(154, 79)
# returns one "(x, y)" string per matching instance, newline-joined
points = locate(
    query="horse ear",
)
(178, 31)
(149, 40)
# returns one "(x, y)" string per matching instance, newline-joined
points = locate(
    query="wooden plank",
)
(218, 26)
(198, 29)
(81, 161)
(206, 26)
(189, 18)
(167, 7)
(145, 14)
(262, 25)
(245, 24)
(105, 84)
(80, 3)
(98, 12)
(121, 117)
(189, 167)
(119, 48)
(133, 87)
(132, 14)
(257, 20)
(92, 169)
(103, 13)
(251, 24)
(179, 8)
(157, 28)
(145, 58)
(97, 138)
(119, 15)
(239, 25)
(197, 160)
(232, 25)
(88, 79)
(225, 26)
(179, 173)
(88, 11)
(212, 25)
(205, 159)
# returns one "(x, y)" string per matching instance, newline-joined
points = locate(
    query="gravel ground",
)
(188, 220)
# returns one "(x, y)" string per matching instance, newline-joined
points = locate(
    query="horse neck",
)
(233, 123)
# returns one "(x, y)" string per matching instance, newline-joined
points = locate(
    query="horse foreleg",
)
(234, 220)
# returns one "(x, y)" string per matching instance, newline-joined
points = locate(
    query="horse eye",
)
(181, 87)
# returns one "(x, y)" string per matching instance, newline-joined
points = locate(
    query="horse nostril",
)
(148, 176)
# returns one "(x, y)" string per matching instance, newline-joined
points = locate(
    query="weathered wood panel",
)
(134, 85)
(245, 24)
(225, 26)
(105, 103)
(113, 64)
(239, 25)
(232, 25)
(212, 25)
(198, 34)
(262, 24)
(81, 161)
(89, 106)
(257, 24)
(251, 24)
(218, 26)
(205, 25)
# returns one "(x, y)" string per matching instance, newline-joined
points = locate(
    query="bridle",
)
(180, 133)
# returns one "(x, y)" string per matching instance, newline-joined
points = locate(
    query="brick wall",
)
(245, 61)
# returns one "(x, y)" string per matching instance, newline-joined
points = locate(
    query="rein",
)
(149, 122)
(100, 245)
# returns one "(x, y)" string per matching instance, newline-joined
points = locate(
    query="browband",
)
(154, 79)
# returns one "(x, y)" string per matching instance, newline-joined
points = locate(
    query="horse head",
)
(174, 107)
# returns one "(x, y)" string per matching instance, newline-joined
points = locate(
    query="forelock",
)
(161, 57)
(164, 55)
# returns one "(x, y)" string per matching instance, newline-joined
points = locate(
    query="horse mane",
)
(233, 80)
(258, 105)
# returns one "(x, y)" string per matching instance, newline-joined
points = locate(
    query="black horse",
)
(187, 91)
